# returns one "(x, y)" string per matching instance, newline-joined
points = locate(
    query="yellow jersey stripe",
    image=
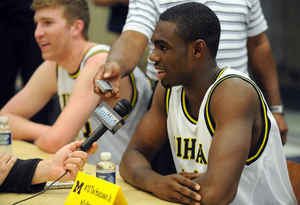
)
(75, 75)
(134, 93)
(167, 99)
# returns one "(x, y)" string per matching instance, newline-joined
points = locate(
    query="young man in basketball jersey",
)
(224, 139)
(71, 62)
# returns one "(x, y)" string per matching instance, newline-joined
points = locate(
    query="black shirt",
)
(117, 18)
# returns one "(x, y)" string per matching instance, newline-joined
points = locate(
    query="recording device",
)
(104, 85)
(59, 185)
(111, 119)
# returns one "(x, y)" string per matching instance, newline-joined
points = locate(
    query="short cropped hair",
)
(72, 10)
(195, 21)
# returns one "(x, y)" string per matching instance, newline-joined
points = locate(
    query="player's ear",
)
(199, 46)
(77, 27)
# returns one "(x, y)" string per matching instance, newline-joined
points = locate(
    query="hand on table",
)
(179, 188)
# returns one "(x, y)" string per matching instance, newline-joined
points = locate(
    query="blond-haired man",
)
(71, 61)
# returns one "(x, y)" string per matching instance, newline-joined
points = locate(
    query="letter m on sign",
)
(78, 187)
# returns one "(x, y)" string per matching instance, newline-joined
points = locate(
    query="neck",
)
(74, 56)
(196, 92)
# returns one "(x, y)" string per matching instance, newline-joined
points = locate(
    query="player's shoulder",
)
(48, 65)
(96, 54)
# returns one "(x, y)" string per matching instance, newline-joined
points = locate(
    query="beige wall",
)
(97, 29)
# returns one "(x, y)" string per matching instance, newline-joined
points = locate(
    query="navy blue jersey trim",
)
(184, 108)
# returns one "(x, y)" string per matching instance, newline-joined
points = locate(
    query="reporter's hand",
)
(69, 158)
(179, 188)
(7, 161)
(112, 73)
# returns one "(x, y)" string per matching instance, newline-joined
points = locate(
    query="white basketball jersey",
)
(264, 179)
(114, 143)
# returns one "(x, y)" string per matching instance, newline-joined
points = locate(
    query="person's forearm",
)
(25, 129)
(54, 139)
(127, 50)
(47, 144)
(42, 172)
(20, 177)
(263, 67)
(137, 174)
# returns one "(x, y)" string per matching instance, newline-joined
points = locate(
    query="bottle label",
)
(5, 139)
(110, 177)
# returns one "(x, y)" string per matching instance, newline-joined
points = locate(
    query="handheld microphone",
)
(111, 119)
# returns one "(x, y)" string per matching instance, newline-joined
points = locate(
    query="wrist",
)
(279, 109)
(153, 179)
(42, 172)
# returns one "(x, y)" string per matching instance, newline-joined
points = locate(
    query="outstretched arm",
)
(41, 87)
(67, 158)
(28, 176)
(77, 110)
(123, 57)
(263, 67)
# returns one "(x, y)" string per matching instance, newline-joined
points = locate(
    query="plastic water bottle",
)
(106, 169)
(5, 135)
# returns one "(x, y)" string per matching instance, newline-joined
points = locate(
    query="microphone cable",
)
(43, 190)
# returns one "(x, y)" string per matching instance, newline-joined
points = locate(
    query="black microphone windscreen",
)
(123, 107)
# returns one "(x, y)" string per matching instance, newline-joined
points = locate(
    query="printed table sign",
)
(90, 190)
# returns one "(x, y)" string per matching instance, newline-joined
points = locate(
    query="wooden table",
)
(25, 150)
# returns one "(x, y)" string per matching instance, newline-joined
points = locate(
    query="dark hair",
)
(195, 21)
(73, 10)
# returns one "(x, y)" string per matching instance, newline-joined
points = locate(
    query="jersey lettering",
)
(189, 147)
(178, 141)
(201, 156)
(65, 98)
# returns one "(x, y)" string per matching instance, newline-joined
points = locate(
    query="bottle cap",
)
(105, 155)
(3, 119)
